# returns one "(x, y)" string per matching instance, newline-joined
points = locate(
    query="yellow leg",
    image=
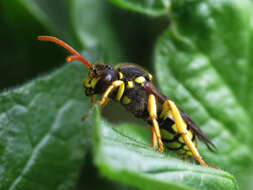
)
(92, 101)
(153, 137)
(153, 114)
(106, 101)
(115, 84)
(182, 129)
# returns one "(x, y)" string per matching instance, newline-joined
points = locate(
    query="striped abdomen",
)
(172, 139)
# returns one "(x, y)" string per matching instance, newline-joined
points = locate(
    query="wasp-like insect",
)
(131, 86)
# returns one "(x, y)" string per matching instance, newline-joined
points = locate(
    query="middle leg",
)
(152, 109)
(153, 137)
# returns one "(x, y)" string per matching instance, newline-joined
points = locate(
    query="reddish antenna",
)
(75, 56)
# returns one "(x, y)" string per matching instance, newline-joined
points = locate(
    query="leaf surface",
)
(42, 137)
(153, 8)
(203, 68)
(95, 28)
(123, 152)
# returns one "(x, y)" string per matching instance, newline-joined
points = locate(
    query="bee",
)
(132, 87)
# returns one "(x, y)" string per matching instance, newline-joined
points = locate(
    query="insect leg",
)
(182, 129)
(153, 137)
(115, 84)
(92, 102)
(152, 109)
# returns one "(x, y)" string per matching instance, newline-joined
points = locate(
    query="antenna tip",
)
(68, 59)
(41, 38)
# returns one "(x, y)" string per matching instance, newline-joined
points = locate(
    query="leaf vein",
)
(39, 146)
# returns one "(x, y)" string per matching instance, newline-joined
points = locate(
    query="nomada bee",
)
(132, 87)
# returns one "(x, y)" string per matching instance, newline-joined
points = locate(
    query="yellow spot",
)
(130, 84)
(185, 147)
(120, 75)
(190, 134)
(181, 151)
(140, 79)
(174, 145)
(195, 143)
(180, 139)
(166, 135)
(174, 127)
(86, 82)
(94, 82)
(126, 100)
(189, 153)
(150, 77)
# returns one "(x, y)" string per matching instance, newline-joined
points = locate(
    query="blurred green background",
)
(198, 47)
(23, 58)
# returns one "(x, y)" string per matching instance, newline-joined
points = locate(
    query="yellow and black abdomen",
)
(172, 139)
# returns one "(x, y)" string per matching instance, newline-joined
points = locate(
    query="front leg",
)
(152, 109)
(115, 84)
(92, 103)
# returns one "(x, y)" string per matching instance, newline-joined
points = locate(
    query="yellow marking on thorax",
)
(126, 100)
(120, 75)
(130, 84)
(140, 80)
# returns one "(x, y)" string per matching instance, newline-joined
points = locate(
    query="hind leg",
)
(171, 107)
(153, 137)
(152, 109)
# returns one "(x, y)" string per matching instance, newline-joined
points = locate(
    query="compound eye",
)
(108, 78)
(106, 81)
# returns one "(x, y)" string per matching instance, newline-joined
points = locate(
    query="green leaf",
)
(202, 63)
(90, 178)
(94, 28)
(19, 39)
(124, 153)
(42, 137)
(153, 8)
(58, 22)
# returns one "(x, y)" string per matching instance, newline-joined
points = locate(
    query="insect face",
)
(99, 79)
